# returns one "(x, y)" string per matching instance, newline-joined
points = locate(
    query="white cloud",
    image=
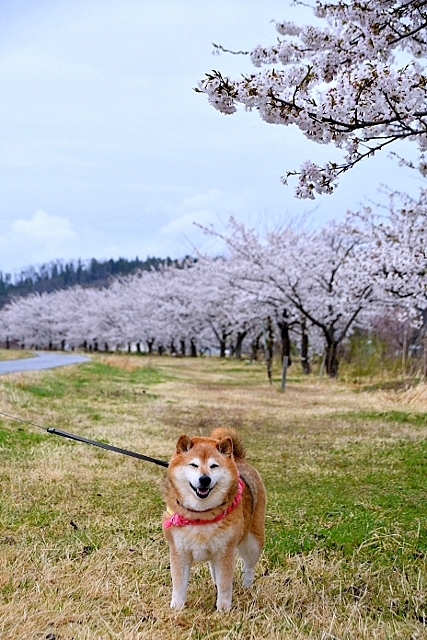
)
(202, 208)
(32, 241)
(43, 227)
(185, 223)
(181, 235)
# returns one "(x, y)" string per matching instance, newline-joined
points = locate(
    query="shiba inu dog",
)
(215, 503)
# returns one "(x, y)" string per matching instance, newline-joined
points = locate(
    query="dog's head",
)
(203, 472)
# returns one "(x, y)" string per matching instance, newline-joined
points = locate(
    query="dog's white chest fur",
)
(202, 542)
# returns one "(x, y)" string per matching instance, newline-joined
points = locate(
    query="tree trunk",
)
(405, 351)
(193, 348)
(285, 349)
(331, 361)
(239, 343)
(182, 347)
(284, 372)
(305, 362)
(150, 346)
(255, 347)
(269, 346)
(222, 345)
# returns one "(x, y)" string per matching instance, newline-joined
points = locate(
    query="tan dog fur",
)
(221, 458)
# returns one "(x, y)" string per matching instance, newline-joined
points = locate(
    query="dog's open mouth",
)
(201, 492)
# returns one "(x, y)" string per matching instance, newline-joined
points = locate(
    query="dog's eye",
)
(214, 466)
(193, 464)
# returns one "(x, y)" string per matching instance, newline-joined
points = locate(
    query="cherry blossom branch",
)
(337, 81)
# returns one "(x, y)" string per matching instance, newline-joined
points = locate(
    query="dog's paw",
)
(248, 578)
(176, 604)
(223, 605)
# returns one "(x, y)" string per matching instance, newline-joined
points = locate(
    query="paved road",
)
(41, 360)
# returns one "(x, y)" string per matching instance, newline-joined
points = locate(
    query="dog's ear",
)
(184, 444)
(225, 446)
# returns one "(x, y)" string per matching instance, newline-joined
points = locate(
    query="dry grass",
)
(15, 354)
(81, 550)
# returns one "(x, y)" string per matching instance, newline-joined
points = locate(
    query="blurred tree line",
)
(59, 274)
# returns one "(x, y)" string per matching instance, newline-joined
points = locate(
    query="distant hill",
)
(62, 275)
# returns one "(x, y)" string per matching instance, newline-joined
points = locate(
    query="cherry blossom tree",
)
(53, 320)
(226, 314)
(322, 276)
(130, 311)
(178, 304)
(358, 82)
(275, 320)
(32, 321)
(398, 237)
(79, 312)
(398, 234)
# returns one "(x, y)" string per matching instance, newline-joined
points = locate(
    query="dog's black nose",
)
(204, 481)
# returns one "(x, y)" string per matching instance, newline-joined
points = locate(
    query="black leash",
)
(95, 443)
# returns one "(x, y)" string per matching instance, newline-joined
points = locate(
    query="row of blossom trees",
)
(309, 288)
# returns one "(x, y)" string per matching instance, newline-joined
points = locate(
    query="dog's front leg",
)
(212, 572)
(223, 570)
(180, 570)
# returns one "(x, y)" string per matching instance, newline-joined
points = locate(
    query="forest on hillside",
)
(59, 274)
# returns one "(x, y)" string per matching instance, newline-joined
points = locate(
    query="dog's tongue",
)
(203, 492)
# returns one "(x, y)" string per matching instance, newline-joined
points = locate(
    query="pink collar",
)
(176, 520)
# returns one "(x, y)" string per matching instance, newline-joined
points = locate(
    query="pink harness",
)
(176, 520)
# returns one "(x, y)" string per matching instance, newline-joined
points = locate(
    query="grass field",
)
(15, 354)
(81, 549)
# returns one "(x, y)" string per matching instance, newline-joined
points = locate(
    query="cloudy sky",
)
(106, 149)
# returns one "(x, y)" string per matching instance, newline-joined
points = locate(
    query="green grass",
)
(81, 548)
(17, 439)
(95, 375)
(393, 416)
(146, 374)
(349, 495)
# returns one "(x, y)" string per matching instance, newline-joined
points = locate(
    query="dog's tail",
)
(227, 432)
